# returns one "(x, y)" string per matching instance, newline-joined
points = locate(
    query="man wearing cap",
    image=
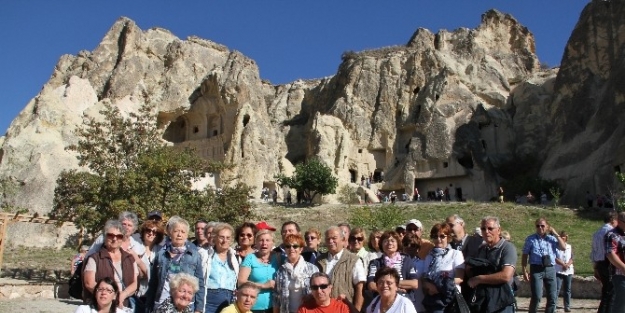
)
(155, 216)
(264, 225)
(345, 269)
(416, 227)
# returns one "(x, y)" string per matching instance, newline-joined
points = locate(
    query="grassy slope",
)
(518, 220)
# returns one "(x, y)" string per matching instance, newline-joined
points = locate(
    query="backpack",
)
(75, 282)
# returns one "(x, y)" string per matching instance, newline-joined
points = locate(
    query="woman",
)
(245, 240)
(259, 268)
(104, 300)
(293, 277)
(208, 231)
(112, 261)
(389, 301)
(391, 245)
(356, 244)
(443, 270)
(78, 258)
(221, 269)
(564, 271)
(177, 256)
(182, 288)
(152, 234)
(312, 237)
(374, 242)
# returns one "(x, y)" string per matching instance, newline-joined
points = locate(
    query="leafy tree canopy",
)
(132, 169)
(312, 177)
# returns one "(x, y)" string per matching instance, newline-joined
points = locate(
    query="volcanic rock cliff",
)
(444, 110)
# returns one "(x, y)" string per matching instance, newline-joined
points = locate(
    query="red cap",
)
(263, 225)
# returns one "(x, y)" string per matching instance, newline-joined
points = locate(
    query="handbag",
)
(458, 304)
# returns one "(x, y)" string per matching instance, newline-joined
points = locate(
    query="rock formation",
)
(443, 111)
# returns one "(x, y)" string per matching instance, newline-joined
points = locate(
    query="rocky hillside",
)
(447, 109)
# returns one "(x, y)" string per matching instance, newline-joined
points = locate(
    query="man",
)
(462, 241)
(615, 253)
(155, 216)
(498, 285)
(540, 250)
(346, 231)
(200, 238)
(246, 297)
(345, 269)
(288, 228)
(600, 264)
(321, 290)
(401, 231)
(416, 227)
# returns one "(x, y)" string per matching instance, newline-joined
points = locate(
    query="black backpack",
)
(75, 282)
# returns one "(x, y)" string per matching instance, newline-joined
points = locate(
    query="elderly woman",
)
(389, 301)
(112, 261)
(259, 268)
(293, 277)
(374, 242)
(312, 237)
(177, 256)
(221, 269)
(104, 299)
(245, 240)
(443, 272)
(393, 257)
(152, 234)
(182, 288)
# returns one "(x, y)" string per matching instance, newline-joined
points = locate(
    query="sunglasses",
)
(440, 237)
(541, 226)
(151, 231)
(317, 287)
(353, 238)
(488, 228)
(291, 246)
(310, 237)
(246, 235)
(114, 236)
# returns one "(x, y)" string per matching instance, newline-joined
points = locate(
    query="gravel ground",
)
(69, 306)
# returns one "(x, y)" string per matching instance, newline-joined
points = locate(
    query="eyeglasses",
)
(114, 236)
(541, 226)
(354, 238)
(246, 235)
(385, 282)
(488, 228)
(310, 237)
(151, 231)
(107, 291)
(291, 246)
(223, 238)
(440, 237)
(317, 287)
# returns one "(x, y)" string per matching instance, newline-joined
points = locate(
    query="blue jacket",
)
(190, 263)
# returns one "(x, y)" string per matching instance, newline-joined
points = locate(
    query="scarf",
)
(176, 252)
(296, 273)
(395, 259)
(434, 270)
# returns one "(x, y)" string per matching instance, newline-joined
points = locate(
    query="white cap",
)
(401, 226)
(415, 222)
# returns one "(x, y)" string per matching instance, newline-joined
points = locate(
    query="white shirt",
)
(565, 256)
(400, 305)
(358, 274)
(88, 309)
(451, 261)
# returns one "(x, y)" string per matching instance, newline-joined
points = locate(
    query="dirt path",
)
(67, 306)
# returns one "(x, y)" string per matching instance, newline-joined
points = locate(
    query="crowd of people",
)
(156, 268)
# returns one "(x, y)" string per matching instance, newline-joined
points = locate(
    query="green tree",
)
(312, 178)
(131, 169)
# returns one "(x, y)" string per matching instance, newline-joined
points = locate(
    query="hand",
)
(597, 276)
(474, 281)
(526, 276)
(271, 284)
(430, 288)
(554, 232)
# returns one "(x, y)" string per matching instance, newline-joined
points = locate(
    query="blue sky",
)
(288, 39)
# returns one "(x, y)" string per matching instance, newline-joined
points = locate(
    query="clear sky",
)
(288, 39)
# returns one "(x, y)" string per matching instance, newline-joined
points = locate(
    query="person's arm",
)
(501, 277)
(458, 276)
(89, 280)
(408, 284)
(561, 243)
(358, 297)
(614, 259)
(130, 289)
(143, 270)
(526, 275)
(199, 295)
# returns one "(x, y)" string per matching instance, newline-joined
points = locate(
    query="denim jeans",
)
(217, 299)
(605, 306)
(618, 298)
(540, 275)
(564, 285)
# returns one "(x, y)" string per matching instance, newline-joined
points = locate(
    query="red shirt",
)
(336, 306)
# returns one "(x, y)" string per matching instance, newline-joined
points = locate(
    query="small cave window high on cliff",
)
(466, 161)
(352, 176)
(176, 132)
(416, 90)
(246, 119)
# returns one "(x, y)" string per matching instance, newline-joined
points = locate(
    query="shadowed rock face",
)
(586, 142)
(446, 108)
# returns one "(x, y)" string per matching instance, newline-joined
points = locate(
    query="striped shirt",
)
(597, 252)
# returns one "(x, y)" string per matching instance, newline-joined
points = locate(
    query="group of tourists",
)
(235, 270)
